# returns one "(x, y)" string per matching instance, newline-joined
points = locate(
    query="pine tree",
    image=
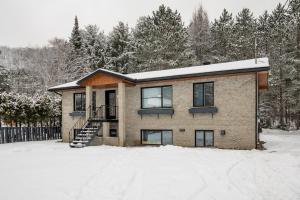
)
(94, 47)
(294, 30)
(77, 63)
(279, 72)
(4, 79)
(161, 41)
(262, 34)
(199, 35)
(222, 37)
(244, 34)
(76, 40)
(119, 48)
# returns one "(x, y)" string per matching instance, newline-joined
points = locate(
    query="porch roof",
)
(185, 72)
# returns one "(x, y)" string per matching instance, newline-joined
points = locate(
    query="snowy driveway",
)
(49, 171)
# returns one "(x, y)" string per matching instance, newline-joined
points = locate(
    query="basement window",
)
(157, 137)
(113, 133)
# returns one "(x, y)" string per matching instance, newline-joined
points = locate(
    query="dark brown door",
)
(110, 104)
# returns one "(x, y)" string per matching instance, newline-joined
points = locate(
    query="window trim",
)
(161, 92)
(204, 143)
(161, 138)
(74, 94)
(204, 94)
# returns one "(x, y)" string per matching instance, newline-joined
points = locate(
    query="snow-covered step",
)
(77, 145)
(90, 128)
(84, 135)
(81, 140)
(88, 131)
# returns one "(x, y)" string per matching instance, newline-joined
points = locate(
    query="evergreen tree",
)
(280, 69)
(94, 47)
(244, 34)
(199, 32)
(262, 35)
(77, 63)
(294, 57)
(222, 37)
(76, 40)
(119, 48)
(161, 41)
(4, 79)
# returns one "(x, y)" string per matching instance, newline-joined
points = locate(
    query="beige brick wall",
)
(234, 97)
(67, 108)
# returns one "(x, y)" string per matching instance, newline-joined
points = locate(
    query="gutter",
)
(257, 69)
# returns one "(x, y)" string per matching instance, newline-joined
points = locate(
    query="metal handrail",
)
(82, 122)
(79, 125)
(100, 112)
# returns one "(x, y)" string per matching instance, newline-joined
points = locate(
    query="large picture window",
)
(157, 97)
(203, 94)
(79, 101)
(160, 137)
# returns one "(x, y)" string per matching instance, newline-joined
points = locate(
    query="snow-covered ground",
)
(50, 171)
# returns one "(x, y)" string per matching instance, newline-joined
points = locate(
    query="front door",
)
(204, 138)
(110, 104)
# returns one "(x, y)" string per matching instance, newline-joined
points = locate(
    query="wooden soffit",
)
(103, 80)
(263, 80)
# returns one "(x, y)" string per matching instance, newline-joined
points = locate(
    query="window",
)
(94, 101)
(79, 101)
(112, 132)
(159, 137)
(156, 97)
(204, 138)
(203, 94)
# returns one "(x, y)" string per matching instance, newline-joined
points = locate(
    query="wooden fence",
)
(23, 134)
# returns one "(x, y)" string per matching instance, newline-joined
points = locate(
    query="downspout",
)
(256, 110)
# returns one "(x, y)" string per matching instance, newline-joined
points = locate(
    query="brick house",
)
(199, 106)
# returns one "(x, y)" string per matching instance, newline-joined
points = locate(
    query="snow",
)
(51, 170)
(72, 84)
(220, 67)
(228, 66)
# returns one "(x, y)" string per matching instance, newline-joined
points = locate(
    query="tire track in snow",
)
(228, 174)
(204, 183)
(91, 178)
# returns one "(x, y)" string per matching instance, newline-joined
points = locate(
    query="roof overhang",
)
(107, 78)
(106, 72)
(225, 72)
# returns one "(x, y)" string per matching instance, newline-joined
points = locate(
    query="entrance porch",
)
(104, 120)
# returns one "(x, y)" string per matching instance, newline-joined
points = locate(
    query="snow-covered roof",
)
(68, 85)
(219, 67)
(262, 64)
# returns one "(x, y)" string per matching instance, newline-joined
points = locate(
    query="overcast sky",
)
(34, 22)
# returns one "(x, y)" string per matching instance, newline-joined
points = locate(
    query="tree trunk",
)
(281, 106)
(286, 113)
(298, 121)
